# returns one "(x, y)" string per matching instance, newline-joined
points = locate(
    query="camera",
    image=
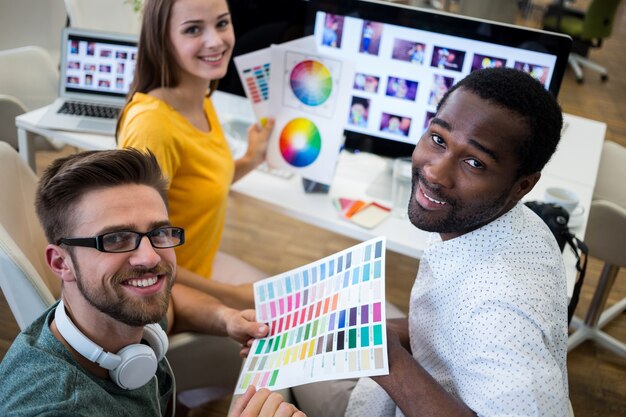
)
(556, 217)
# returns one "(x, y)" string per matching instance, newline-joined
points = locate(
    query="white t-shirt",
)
(488, 320)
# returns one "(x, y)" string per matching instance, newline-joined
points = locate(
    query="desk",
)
(573, 166)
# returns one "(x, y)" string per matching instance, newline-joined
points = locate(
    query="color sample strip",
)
(289, 331)
(256, 80)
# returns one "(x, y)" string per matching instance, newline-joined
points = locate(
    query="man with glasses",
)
(100, 349)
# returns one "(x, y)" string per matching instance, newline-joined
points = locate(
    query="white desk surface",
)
(573, 166)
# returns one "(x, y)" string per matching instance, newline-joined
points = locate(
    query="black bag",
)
(556, 217)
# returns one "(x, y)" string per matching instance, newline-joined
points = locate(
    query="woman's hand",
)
(258, 136)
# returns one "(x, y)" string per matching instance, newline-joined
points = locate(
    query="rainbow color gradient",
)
(300, 142)
(311, 82)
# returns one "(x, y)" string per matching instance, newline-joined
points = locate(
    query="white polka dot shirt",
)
(488, 320)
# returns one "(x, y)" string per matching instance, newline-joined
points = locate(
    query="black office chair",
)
(587, 29)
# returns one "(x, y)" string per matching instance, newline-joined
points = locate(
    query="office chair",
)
(208, 364)
(587, 29)
(105, 15)
(28, 284)
(28, 80)
(606, 238)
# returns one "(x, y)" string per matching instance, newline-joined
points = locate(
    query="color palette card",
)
(370, 215)
(362, 213)
(327, 321)
(309, 99)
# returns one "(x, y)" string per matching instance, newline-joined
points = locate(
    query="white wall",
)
(105, 15)
(32, 22)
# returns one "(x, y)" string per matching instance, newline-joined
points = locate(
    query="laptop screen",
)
(97, 63)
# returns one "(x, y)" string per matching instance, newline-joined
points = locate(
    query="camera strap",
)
(580, 250)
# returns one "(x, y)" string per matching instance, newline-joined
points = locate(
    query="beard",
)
(132, 311)
(459, 217)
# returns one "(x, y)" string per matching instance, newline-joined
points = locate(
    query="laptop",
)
(97, 69)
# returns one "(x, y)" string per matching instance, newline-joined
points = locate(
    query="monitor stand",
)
(380, 188)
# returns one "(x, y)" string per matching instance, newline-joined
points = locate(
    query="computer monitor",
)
(407, 58)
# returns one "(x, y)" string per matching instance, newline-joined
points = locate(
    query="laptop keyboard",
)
(91, 110)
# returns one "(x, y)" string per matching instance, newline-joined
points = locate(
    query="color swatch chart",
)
(256, 80)
(326, 319)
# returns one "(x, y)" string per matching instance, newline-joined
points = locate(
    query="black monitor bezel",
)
(444, 23)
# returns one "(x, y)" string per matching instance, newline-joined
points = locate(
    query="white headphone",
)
(130, 368)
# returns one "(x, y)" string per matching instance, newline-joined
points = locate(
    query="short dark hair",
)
(67, 179)
(520, 93)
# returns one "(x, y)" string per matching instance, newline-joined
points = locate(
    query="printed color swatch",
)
(326, 319)
(300, 142)
(257, 82)
(311, 82)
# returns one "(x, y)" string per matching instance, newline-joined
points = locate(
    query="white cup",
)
(401, 186)
(562, 197)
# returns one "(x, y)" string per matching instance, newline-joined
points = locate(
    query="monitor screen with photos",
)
(407, 58)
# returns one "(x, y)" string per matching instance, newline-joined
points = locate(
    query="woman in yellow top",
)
(184, 48)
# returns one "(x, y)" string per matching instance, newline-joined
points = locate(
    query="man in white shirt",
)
(487, 328)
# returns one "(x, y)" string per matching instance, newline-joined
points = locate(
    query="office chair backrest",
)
(611, 174)
(28, 80)
(606, 226)
(28, 284)
(10, 108)
(599, 18)
(606, 232)
(29, 74)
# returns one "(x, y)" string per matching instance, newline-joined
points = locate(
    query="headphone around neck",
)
(130, 368)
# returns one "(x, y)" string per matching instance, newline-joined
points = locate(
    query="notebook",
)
(96, 71)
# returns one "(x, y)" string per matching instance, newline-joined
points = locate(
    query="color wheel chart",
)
(326, 319)
(300, 142)
(256, 80)
(313, 82)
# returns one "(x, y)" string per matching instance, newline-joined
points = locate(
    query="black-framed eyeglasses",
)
(128, 240)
